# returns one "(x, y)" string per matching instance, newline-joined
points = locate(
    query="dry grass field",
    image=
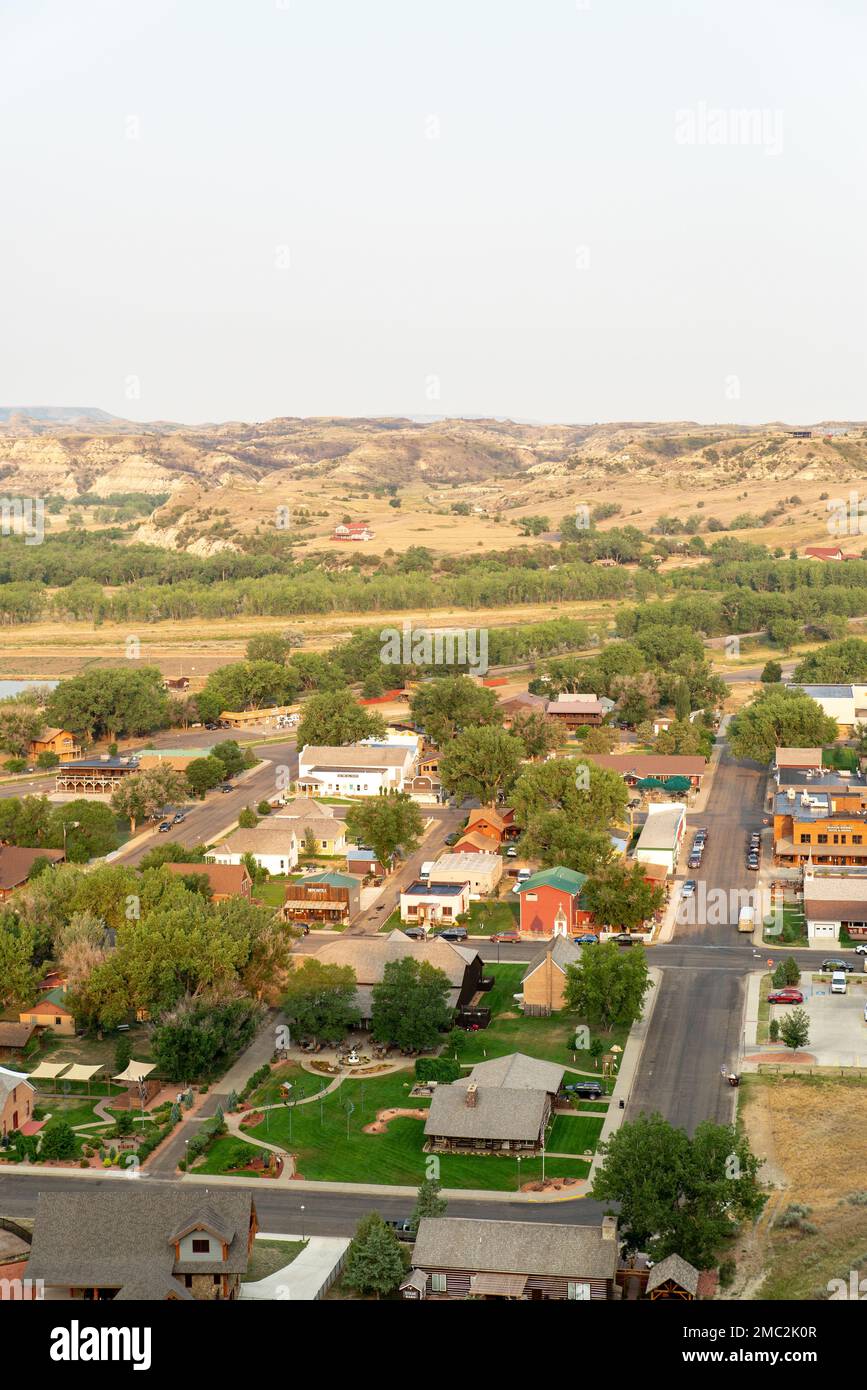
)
(812, 1133)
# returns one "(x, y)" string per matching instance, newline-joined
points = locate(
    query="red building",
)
(551, 904)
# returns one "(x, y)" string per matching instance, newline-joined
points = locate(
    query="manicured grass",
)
(573, 1134)
(73, 1112)
(330, 1146)
(794, 928)
(509, 1030)
(304, 1083)
(764, 1017)
(600, 1107)
(226, 1149)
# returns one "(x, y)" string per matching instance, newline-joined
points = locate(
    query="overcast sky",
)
(566, 210)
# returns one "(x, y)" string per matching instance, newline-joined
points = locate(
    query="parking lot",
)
(838, 1032)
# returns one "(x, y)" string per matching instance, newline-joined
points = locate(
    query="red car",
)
(506, 936)
(786, 996)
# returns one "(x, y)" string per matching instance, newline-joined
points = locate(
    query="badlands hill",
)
(233, 476)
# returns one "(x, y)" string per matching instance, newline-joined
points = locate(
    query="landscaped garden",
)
(330, 1145)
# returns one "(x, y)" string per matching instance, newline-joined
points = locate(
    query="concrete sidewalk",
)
(308, 1277)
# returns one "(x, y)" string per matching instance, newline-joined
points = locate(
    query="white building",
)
(356, 770)
(832, 901)
(426, 903)
(661, 835)
(481, 871)
(845, 703)
(273, 847)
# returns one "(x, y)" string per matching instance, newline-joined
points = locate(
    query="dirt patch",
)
(550, 1185)
(811, 1132)
(384, 1118)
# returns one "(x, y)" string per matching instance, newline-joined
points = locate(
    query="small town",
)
(433, 675)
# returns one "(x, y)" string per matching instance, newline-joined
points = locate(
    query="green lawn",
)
(844, 759)
(270, 1255)
(509, 1031)
(573, 1134)
(304, 1084)
(794, 928)
(764, 1016)
(493, 916)
(222, 1153)
(330, 1146)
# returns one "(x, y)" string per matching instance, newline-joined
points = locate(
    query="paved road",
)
(205, 819)
(446, 819)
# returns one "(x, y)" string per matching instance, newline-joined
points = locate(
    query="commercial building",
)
(834, 902)
(94, 775)
(551, 903)
(482, 872)
(273, 847)
(635, 767)
(355, 770)
(811, 825)
(330, 899)
(424, 904)
(845, 703)
(662, 835)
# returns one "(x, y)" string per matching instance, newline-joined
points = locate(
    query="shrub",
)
(727, 1271)
(441, 1069)
(264, 808)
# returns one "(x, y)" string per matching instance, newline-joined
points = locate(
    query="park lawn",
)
(304, 1083)
(510, 1031)
(493, 916)
(222, 1151)
(843, 759)
(330, 1146)
(270, 1255)
(573, 1134)
(74, 1111)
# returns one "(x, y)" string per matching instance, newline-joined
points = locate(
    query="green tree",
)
(91, 830)
(140, 795)
(122, 1053)
(203, 774)
(231, 755)
(57, 1140)
(795, 1028)
(428, 1202)
(481, 762)
(772, 673)
(119, 700)
(678, 1195)
(411, 1006)
(538, 734)
(320, 1000)
(375, 1260)
(592, 796)
(333, 718)
(622, 898)
(202, 1037)
(779, 718)
(387, 824)
(608, 986)
(449, 704)
(268, 646)
(554, 838)
(838, 662)
(18, 976)
(247, 818)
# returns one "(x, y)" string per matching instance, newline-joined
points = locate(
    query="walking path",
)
(307, 1277)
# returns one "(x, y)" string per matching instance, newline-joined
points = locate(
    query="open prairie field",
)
(810, 1131)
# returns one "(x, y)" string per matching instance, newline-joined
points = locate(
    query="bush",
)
(15, 765)
(264, 808)
(727, 1271)
(440, 1069)
(774, 1030)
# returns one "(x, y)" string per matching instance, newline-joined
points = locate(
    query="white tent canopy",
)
(79, 1072)
(48, 1071)
(136, 1071)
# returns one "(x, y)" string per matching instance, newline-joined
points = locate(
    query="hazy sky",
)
(559, 210)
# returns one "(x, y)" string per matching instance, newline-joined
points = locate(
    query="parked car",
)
(506, 936)
(786, 996)
(588, 939)
(511, 852)
(585, 1090)
(753, 863)
(689, 887)
(524, 874)
(861, 950)
(415, 933)
(453, 838)
(453, 934)
(702, 830)
(302, 927)
(212, 726)
(179, 817)
(835, 963)
(165, 826)
(694, 861)
(623, 938)
(838, 982)
(402, 1229)
(225, 787)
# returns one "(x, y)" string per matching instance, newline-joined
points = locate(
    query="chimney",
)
(472, 1091)
(609, 1228)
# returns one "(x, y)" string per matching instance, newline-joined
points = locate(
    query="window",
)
(438, 1283)
(578, 1291)
(201, 1247)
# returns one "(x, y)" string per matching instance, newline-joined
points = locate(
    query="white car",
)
(688, 888)
(861, 950)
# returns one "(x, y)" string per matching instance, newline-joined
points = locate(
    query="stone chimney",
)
(472, 1092)
(609, 1228)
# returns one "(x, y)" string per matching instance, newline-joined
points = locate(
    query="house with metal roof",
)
(662, 835)
(458, 1257)
(551, 903)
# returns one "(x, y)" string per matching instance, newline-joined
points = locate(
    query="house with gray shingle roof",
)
(673, 1278)
(504, 1104)
(144, 1242)
(457, 1257)
(544, 980)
